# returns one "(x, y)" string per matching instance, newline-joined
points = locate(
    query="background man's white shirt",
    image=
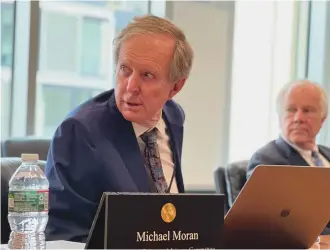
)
(307, 154)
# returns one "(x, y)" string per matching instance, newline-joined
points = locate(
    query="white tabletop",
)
(61, 244)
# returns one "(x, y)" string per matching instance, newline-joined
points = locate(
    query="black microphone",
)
(172, 178)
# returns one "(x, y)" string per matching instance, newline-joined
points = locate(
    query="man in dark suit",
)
(302, 108)
(124, 140)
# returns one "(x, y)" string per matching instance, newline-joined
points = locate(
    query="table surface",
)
(61, 244)
(323, 244)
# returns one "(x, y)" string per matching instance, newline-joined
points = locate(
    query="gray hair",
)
(183, 54)
(287, 87)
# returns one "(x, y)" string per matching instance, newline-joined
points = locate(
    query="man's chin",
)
(299, 135)
(298, 138)
(301, 141)
(131, 116)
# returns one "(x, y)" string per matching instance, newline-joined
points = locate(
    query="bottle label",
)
(28, 201)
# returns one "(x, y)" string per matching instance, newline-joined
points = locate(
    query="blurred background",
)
(57, 54)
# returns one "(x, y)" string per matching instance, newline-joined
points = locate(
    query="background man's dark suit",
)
(279, 152)
(95, 150)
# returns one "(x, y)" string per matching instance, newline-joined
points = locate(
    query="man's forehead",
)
(304, 91)
(304, 88)
(150, 41)
(303, 102)
(146, 49)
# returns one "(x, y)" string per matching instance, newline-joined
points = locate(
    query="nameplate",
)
(158, 221)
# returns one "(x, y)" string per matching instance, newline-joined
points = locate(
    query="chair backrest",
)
(235, 174)
(14, 147)
(220, 184)
(8, 167)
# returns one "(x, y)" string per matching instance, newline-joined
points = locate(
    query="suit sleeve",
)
(183, 115)
(74, 192)
(258, 159)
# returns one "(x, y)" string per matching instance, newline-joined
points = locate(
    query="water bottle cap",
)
(30, 157)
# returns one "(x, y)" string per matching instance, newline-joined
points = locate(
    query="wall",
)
(262, 64)
(319, 56)
(205, 97)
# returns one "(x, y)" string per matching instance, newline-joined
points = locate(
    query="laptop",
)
(280, 207)
(157, 221)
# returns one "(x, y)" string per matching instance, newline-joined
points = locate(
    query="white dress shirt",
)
(307, 154)
(165, 152)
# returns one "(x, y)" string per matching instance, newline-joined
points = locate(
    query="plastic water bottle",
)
(28, 205)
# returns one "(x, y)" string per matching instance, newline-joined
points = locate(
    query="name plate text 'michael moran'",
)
(168, 236)
(158, 221)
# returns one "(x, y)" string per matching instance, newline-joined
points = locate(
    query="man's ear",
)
(323, 119)
(178, 85)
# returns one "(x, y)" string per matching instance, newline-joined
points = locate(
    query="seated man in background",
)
(302, 109)
(124, 140)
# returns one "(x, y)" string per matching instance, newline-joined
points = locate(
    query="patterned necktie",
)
(316, 159)
(152, 160)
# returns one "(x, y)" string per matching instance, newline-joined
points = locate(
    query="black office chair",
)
(229, 180)
(14, 147)
(220, 185)
(235, 174)
(8, 167)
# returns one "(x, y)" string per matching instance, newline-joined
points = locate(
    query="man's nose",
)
(299, 116)
(133, 84)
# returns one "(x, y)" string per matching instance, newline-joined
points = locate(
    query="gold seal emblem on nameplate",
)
(168, 212)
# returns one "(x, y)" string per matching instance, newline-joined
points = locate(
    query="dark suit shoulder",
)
(89, 115)
(324, 148)
(266, 149)
(176, 111)
(325, 151)
(271, 151)
(269, 154)
(92, 108)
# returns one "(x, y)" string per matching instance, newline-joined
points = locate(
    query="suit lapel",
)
(325, 152)
(175, 132)
(297, 159)
(122, 133)
(290, 153)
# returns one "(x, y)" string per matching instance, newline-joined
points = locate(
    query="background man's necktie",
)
(152, 160)
(316, 159)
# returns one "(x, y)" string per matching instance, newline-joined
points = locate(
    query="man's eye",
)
(148, 75)
(291, 110)
(124, 70)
